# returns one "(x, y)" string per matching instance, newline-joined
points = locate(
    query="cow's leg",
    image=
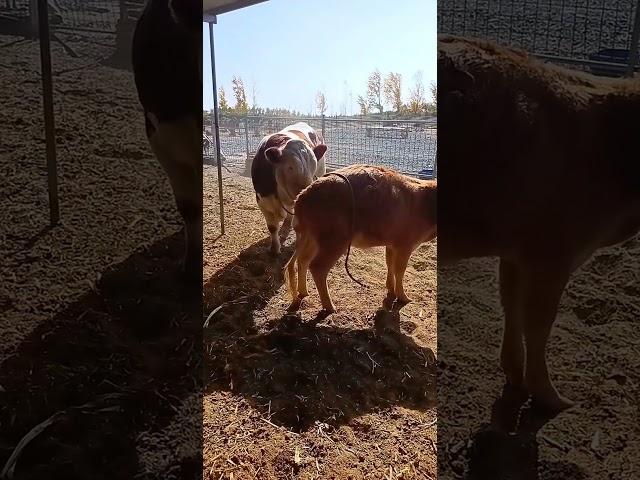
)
(542, 288)
(272, 211)
(400, 262)
(512, 350)
(177, 148)
(328, 254)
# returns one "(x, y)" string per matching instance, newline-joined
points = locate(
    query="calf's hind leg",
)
(542, 287)
(320, 266)
(512, 349)
(400, 262)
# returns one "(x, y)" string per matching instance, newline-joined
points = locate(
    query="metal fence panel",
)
(100, 16)
(578, 31)
(408, 146)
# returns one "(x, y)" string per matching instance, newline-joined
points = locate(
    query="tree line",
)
(380, 92)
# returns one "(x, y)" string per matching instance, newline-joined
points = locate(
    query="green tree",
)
(393, 90)
(240, 95)
(374, 91)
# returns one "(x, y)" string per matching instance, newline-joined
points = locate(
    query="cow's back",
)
(385, 202)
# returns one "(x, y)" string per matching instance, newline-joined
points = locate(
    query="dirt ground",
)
(95, 338)
(297, 396)
(594, 355)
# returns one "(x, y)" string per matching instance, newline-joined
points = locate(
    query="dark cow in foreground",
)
(285, 163)
(361, 206)
(167, 64)
(540, 168)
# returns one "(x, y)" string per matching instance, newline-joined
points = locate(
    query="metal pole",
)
(216, 126)
(635, 37)
(246, 134)
(47, 98)
(322, 125)
(124, 14)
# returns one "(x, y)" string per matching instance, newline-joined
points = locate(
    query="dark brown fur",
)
(391, 210)
(540, 168)
(262, 171)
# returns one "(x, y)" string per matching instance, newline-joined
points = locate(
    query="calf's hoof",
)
(553, 404)
(546, 397)
(295, 305)
(387, 303)
(403, 299)
(329, 310)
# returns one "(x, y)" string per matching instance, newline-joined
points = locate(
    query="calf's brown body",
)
(540, 168)
(391, 210)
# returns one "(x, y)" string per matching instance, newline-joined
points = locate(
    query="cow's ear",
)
(273, 154)
(319, 150)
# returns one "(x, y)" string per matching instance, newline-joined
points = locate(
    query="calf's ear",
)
(320, 150)
(273, 154)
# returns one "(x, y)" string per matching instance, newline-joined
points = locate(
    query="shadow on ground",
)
(298, 373)
(116, 363)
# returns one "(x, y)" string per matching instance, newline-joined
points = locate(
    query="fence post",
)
(246, 133)
(124, 14)
(33, 16)
(322, 125)
(635, 37)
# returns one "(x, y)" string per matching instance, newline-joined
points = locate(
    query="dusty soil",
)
(300, 396)
(95, 329)
(594, 354)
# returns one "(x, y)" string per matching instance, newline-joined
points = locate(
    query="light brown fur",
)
(391, 210)
(540, 168)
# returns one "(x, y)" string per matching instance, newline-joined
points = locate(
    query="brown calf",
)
(387, 209)
(540, 168)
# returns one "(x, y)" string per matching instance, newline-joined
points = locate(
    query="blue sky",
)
(290, 49)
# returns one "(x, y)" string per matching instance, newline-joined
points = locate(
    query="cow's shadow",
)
(117, 362)
(299, 374)
(508, 446)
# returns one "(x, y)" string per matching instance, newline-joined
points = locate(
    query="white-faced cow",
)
(541, 169)
(285, 163)
(167, 64)
(361, 206)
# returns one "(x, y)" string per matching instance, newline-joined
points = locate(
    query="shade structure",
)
(211, 8)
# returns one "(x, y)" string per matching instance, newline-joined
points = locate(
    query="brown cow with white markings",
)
(167, 65)
(285, 163)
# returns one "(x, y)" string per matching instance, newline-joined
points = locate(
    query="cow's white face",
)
(295, 166)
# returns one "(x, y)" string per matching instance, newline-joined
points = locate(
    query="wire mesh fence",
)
(99, 16)
(583, 32)
(408, 146)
